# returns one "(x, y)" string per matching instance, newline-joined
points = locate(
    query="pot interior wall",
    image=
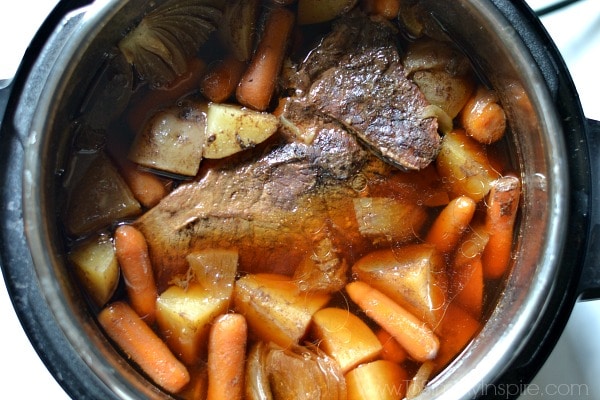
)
(503, 62)
(498, 52)
(86, 86)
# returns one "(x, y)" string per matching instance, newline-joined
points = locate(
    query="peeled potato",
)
(448, 92)
(413, 276)
(345, 337)
(231, 129)
(275, 308)
(96, 268)
(172, 141)
(381, 379)
(463, 164)
(382, 218)
(184, 317)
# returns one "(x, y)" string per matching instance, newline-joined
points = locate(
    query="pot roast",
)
(352, 107)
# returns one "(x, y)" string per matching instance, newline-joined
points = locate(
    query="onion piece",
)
(160, 46)
(418, 382)
(238, 30)
(297, 372)
(445, 123)
(257, 380)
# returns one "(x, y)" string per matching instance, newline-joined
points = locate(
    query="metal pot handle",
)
(589, 285)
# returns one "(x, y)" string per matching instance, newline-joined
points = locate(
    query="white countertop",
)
(573, 369)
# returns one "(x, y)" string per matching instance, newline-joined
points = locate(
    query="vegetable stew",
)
(302, 199)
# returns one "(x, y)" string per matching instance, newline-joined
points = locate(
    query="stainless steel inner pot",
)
(502, 39)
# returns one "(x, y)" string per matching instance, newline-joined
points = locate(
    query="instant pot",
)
(557, 256)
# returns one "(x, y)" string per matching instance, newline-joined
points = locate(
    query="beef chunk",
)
(356, 78)
(273, 206)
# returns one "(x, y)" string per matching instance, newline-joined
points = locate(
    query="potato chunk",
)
(275, 308)
(231, 129)
(463, 163)
(186, 310)
(215, 270)
(99, 198)
(345, 337)
(413, 276)
(172, 141)
(184, 317)
(381, 379)
(442, 72)
(448, 92)
(96, 268)
(381, 218)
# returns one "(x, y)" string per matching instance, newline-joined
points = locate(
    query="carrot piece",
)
(388, 9)
(143, 346)
(503, 203)
(483, 118)
(466, 275)
(132, 253)
(257, 84)
(221, 79)
(471, 246)
(196, 388)
(226, 357)
(468, 285)
(455, 331)
(451, 223)
(146, 187)
(392, 351)
(164, 97)
(412, 333)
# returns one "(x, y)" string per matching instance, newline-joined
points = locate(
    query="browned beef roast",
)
(355, 76)
(273, 207)
(278, 204)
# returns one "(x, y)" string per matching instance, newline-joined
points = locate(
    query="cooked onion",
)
(290, 374)
(238, 28)
(160, 46)
(445, 123)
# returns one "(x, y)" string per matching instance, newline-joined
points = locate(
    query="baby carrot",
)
(451, 223)
(392, 351)
(226, 357)
(503, 202)
(483, 118)
(388, 9)
(132, 254)
(412, 333)
(257, 84)
(146, 187)
(221, 79)
(166, 96)
(143, 346)
(471, 246)
(467, 281)
(456, 330)
(466, 273)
